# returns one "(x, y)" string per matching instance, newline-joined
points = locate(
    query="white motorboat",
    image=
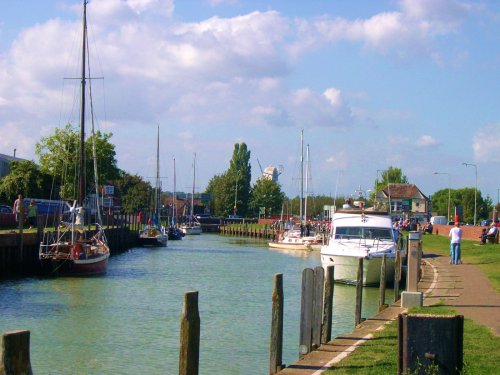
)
(360, 233)
(297, 239)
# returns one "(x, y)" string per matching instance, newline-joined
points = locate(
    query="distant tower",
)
(272, 173)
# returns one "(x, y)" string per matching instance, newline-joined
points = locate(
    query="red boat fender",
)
(77, 250)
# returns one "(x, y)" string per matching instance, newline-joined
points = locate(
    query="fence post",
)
(326, 334)
(306, 312)
(397, 275)
(359, 292)
(317, 318)
(189, 355)
(15, 353)
(276, 345)
(381, 301)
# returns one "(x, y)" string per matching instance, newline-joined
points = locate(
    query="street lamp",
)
(449, 190)
(475, 191)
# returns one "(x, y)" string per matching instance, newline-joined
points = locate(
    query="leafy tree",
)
(135, 192)
(266, 193)
(25, 178)
(222, 190)
(59, 156)
(392, 175)
(240, 172)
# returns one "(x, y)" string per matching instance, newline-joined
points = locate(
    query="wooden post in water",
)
(359, 292)
(276, 345)
(317, 318)
(326, 333)
(306, 312)
(15, 353)
(397, 275)
(189, 355)
(381, 300)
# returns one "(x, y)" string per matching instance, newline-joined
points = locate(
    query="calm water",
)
(127, 322)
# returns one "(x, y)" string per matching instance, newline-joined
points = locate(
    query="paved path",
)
(462, 288)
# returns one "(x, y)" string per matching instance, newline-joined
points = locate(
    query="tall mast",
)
(194, 181)
(81, 182)
(307, 183)
(174, 201)
(157, 187)
(301, 175)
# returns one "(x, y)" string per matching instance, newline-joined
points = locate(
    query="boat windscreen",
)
(363, 232)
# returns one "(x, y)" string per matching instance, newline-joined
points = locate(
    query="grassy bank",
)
(379, 356)
(481, 348)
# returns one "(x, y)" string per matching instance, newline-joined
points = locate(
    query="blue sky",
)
(411, 84)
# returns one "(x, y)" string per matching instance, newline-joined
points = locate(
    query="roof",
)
(402, 191)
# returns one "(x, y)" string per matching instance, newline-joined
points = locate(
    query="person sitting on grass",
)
(483, 237)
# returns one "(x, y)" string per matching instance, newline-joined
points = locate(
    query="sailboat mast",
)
(174, 201)
(81, 181)
(194, 182)
(157, 187)
(301, 175)
(307, 183)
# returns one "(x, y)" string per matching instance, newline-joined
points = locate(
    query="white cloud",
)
(427, 141)
(486, 144)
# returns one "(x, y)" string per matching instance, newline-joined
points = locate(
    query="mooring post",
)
(412, 297)
(189, 355)
(326, 333)
(359, 292)
(319, 285)
(276, 345)
(397, 275)
(306, 312)
(381, 300)
(15, 353)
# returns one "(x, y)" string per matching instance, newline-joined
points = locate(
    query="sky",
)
(412, 84)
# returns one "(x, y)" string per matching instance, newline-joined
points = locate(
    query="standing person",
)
(456, 237)
(32, 213)
(17, 207)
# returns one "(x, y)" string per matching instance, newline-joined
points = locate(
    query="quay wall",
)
(469, 232)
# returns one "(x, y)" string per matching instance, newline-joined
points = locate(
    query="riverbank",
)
(470, 289)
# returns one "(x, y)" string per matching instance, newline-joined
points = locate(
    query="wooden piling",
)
(276, 345)
(359, 292)
(15, 353)
(381, 300)
(189, 355)
(397, 275)
(317, 318)
(326, 333)
(306, 312)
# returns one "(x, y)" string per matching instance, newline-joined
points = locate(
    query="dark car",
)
(486, 223)
(7, 217)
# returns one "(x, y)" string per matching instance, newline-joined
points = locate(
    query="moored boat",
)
(75, 250)
(360, 233)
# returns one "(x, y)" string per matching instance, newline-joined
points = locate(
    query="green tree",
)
(392, 175)
(135, 192)
(59, 156)
(240, 173)
(25, 178)
(222, 190)
(266, 193)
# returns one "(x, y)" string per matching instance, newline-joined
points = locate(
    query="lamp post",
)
(475, 191)
(449, 191)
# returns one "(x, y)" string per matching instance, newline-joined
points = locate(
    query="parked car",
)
(486, 223)
(7, 217)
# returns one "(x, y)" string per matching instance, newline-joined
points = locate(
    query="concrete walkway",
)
(462, 288)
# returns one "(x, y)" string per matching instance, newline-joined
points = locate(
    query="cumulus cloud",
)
(426, 141)
(486, 144)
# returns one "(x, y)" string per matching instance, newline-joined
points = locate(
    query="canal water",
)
(128, 321)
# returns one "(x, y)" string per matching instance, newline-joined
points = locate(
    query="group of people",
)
(18, 208)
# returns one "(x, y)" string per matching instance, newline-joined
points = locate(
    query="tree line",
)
(232, 191)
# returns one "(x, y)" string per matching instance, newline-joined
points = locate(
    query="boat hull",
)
(76, 267)
(294, 246)
(346, 268)
(191, 230)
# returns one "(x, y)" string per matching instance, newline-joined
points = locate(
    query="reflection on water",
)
(127, 322)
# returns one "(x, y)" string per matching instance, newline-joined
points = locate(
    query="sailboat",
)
(73, 250)
(299, 237)
(193, 226)
(153, 234)
(174, 233)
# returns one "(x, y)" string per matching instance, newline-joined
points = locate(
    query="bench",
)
(493, 240)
